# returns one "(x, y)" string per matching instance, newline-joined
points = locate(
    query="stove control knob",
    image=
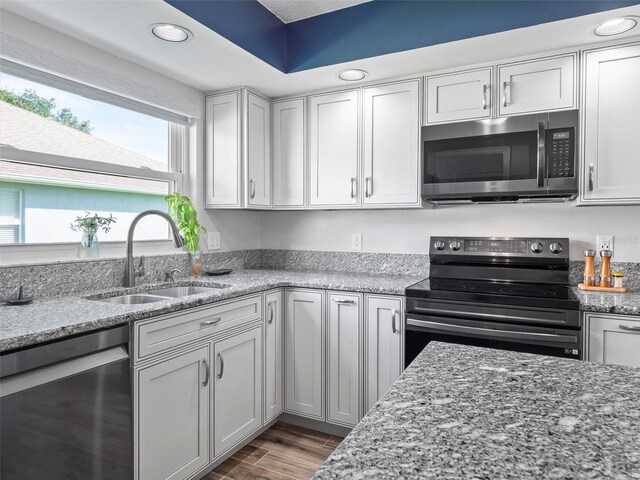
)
(555, 248)
(536, 247)
(455, 245)
(439, 245)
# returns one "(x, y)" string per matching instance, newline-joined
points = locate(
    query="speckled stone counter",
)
(57, 317)
(469, 412)
(624, 303)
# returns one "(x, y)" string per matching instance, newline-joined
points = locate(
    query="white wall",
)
(408, 231)
(36, 45)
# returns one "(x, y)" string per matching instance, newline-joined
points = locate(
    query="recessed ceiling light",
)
(170, 33)
(352, 75)
(616, 26)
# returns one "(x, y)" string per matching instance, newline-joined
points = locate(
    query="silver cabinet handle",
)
(339, 300)
(221, 360)
(394, 313)
(485, 103)
(270, 305)
(368, 181)
(542, 139)
(505, 100)
(252, 185)
(208, 323)
(354, 191)
(631, 328)
(206, 373)
(591, 174)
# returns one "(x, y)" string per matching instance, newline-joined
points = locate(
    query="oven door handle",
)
(479, 315)
(490, 332)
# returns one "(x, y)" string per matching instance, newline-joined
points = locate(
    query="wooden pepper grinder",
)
(589, 279)
(605, 268)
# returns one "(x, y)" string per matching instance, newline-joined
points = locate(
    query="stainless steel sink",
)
(133, 299)
(177, 292)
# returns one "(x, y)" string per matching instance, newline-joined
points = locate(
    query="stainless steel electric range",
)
(507, 293)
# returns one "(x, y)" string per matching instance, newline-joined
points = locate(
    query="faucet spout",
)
(129, 268)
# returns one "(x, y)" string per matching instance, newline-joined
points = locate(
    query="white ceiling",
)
(293, 10)
(211, 62)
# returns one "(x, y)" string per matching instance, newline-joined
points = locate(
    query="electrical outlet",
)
(604, 242)
(213, 240)
(356, 241)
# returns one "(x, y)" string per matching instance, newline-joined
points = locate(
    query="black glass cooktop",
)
(542, 295)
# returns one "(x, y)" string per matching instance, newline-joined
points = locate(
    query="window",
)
(68, 149)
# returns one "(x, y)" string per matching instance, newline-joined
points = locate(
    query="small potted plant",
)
(184, 214)
(89, 226)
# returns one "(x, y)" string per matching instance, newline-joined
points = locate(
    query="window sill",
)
(42, 253)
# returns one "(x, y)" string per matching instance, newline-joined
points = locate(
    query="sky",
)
(134, 131)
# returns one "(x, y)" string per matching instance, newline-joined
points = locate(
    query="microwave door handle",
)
(542, 138)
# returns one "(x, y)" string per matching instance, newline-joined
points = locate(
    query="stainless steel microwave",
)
(521, 158)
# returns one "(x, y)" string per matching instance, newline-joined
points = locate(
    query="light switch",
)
(213, 240)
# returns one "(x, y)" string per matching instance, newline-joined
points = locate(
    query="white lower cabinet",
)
(613, 339)
(273, 355)
(304, 356)
(173, 416)
(384, 325)
(344, 358)
(237, 389)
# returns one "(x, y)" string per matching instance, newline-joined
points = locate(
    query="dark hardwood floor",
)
(283, 452)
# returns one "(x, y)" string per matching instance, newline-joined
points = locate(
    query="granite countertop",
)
(471, 412)
(625, 303)
(57, 317)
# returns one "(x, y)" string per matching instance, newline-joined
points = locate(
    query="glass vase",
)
(196, 264)
(89, 245)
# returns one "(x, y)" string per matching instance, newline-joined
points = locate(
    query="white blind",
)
(55, 81)
(10, 215)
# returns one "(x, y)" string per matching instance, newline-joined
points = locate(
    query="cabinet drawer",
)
(156, 335)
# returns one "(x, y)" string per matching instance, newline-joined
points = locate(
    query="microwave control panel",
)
(560, 152)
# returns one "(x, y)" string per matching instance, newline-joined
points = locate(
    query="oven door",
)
(502, 164)
(424, 328)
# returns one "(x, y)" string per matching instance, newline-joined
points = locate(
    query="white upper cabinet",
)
(289, 157)
(614, 339)
(333, 158)
(611, 126)
(391, 155)
(257, 150)
(537, 86)
(223, 148)
(459, 96)
(344, 362)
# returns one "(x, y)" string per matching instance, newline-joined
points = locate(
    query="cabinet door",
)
(459, 96)
(344, 364)
(391, 144)
(384, 324)
(222, 160)
(540, 85)
(273, 335)
(304, 357)
(237, 388)
(289, 153)
(611, 122)
(333, 160)
(172, 408)
(614, 339)
(258, 150)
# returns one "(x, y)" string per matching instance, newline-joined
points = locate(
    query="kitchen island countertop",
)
(469, 412)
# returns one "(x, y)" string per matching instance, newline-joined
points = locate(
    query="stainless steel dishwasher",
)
(66, 409)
